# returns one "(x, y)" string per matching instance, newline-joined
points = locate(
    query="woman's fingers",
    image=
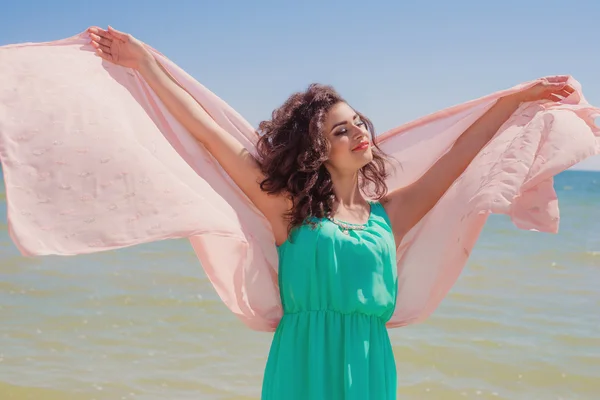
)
(566, 88)
(104, 55)
(565, 93)
(117, 34)
(554, 97)
(558, 91)
(560, 94)
(104, 48)
(100, 40)
(100, 32)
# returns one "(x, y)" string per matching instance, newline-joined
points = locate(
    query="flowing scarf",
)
(93, 161)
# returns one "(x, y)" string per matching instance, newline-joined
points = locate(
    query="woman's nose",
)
(357, 131)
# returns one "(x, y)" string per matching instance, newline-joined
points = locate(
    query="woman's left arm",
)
(407, 206)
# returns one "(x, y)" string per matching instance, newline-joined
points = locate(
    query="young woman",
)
(337, 248)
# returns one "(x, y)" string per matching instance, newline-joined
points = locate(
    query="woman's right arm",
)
(239, 164)
(123, 49)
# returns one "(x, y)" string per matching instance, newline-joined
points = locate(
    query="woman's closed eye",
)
(344, 130)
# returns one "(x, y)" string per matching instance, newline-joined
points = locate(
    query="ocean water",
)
(523, 321)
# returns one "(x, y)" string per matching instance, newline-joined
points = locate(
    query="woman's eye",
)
(344, 130)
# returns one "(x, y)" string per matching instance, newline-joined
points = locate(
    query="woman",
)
(337, 249)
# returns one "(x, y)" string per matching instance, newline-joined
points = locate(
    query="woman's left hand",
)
(553, 89)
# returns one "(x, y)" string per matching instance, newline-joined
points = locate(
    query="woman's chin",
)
(366, 158)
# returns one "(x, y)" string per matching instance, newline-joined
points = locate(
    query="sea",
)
(522, 322)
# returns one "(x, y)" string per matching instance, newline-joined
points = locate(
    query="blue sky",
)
(393, 60)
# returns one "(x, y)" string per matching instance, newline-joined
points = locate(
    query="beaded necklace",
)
(346, 227)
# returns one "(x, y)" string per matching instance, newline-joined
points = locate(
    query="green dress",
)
(338, 290)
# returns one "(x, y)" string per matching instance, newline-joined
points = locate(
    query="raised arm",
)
(407, 206)
(123, 49)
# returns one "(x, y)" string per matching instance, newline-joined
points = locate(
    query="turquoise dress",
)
(338, 290)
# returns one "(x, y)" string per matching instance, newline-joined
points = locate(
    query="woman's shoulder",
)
(379, 213)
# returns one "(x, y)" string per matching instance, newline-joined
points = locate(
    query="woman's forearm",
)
(231, 154)
(470, 143)
(417, 199)
(177, 100)
(467, 146)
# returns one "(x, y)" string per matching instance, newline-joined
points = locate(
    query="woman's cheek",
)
(337, 148)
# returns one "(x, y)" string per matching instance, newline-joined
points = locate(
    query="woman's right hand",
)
(118, 47)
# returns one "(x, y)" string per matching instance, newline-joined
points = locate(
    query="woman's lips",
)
(362, 146)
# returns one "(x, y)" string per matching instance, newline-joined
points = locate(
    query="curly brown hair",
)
(292, 150)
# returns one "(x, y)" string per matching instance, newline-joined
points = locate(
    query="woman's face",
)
(350, 141)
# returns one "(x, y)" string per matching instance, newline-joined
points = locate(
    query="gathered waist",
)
(345, 314)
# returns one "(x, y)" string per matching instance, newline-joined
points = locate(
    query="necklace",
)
(346, 227)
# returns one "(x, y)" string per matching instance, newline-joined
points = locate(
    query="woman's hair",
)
(293, 148)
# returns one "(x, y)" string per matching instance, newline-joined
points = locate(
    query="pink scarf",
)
(92, 162)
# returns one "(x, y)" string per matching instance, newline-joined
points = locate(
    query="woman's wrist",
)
(513, 100)
(145, 63)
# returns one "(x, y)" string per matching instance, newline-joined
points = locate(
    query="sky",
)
(393, 60)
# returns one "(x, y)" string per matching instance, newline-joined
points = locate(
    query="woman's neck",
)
(347, 193)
